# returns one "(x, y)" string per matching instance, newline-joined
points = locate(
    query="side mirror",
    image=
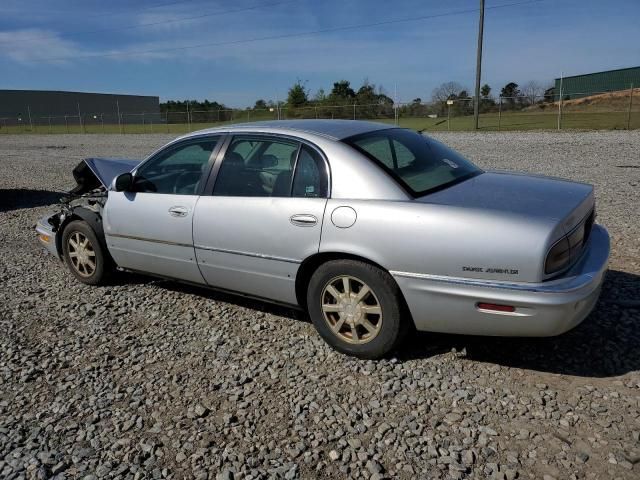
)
(123, 183)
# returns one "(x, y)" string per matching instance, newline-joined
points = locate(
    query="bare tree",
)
(549, 92)
(446, 91)
(533, 91)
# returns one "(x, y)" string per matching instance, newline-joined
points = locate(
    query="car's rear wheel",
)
(357, 308)
(83, 253)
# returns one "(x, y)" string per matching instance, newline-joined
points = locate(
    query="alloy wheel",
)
(351, 309)
(81, 254)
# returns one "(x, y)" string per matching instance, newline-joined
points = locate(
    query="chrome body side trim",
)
(522, 287)
(151, 240)
(248, 254)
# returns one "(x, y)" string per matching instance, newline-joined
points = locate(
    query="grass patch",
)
(488, 122)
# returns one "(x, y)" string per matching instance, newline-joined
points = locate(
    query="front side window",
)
(177, 170)
(419, 164)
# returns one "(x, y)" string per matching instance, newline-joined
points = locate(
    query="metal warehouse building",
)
(57, 107)
(579, 86)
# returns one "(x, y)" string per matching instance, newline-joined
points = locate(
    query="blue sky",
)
(87, 45)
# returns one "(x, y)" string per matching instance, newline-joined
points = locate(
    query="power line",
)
(148, 7)
(142, 9)
(289, 35)
(184, 1)
(101, 14)
(160, 22)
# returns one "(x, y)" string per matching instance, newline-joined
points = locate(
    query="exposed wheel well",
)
(61, 229)
(92, 219)
(310, 264)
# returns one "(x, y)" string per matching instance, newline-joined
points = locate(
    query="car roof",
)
(334, 129)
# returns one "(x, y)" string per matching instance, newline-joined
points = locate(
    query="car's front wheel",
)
(83, 253)
(357, 308)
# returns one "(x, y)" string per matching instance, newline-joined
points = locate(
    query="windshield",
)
(418, 163)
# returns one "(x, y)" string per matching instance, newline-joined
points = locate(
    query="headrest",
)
(233, 158)
(267, 161)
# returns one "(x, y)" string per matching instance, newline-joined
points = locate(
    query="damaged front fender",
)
(94, 173)
(83, 202)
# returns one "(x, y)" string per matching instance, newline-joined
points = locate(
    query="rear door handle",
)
(303, 220)
(178, 211)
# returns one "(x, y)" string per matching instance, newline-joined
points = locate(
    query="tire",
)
(83, 254)
(353, 326)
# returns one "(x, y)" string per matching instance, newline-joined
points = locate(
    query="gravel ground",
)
(151, 379)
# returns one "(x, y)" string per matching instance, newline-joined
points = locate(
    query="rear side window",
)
(310, 179)
(418, 163)
(257, 167)
(271, 167)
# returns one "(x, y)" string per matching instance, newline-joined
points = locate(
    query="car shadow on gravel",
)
(236, 299)
(17, 198)
(606, 344)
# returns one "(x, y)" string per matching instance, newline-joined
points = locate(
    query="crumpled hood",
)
(519, 194)
(92, 173)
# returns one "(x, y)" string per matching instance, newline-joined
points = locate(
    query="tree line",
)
(512, 97)
(369, 101)
(342, 101)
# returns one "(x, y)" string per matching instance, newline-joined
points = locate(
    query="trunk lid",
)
(533, 196)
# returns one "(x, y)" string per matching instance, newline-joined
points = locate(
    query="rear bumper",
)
(46, 236)
(449, 305)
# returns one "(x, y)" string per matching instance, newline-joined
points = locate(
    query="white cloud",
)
(33, 45)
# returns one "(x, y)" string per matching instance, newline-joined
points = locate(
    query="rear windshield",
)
(420, 164)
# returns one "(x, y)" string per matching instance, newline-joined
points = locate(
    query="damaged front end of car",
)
(84, 202)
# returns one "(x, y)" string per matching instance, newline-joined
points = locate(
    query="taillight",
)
(589, 225)
(576, 239)
(558, 257)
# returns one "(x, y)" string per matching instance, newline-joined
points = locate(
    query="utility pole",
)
(476, 104)
(119, 117)
(31, 122)
(630, 107)
(396, 119)
(560, 103)
(80, 119)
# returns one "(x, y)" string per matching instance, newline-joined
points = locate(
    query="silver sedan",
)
(373, 229)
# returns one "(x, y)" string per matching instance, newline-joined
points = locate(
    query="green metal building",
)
(579, 86)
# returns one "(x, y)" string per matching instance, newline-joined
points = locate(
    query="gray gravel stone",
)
(146, 378)
(374, 467)
(582, 457)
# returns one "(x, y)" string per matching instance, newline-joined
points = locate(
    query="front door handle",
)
(178, 211)
(303, 220)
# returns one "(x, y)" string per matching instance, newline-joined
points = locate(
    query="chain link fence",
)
(571, 110)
